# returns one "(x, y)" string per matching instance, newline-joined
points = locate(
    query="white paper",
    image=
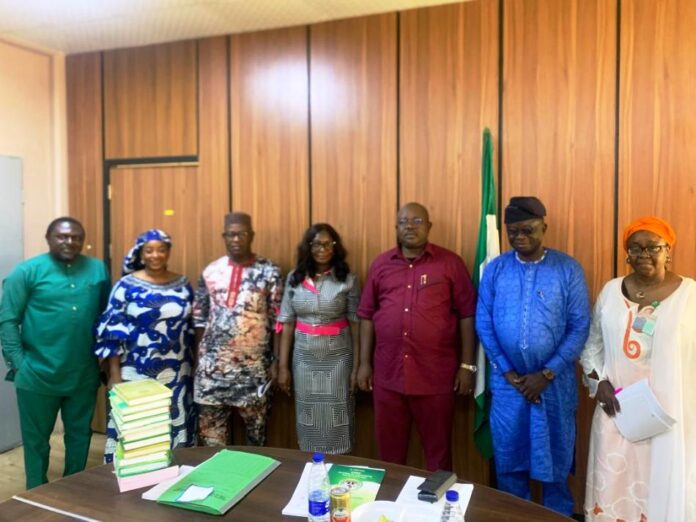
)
(409, 495)
(194, 493)
(641, 416)
(154, 493)
(299, 502)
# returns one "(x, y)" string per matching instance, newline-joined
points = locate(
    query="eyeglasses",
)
(322, 245)
(522, 231)
(232, 235)
(402, 222)
(653, 250)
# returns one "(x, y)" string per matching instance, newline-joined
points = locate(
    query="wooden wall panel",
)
(269, 141)
(150, 107)
(448, 95)
(559, 121)
(657, 127)
(85, 186)
(214, 163)
(558, 137)
(353, 112)
(157, 197)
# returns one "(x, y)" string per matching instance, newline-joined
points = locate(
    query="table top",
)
(94, 494)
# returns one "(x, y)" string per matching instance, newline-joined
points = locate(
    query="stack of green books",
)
(140, 410)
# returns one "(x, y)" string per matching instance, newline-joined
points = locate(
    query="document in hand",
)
(641, 416)
(218, 483)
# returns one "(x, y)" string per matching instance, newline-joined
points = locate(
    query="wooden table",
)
(94, 494)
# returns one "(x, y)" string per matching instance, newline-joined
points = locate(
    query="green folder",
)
(230, 474)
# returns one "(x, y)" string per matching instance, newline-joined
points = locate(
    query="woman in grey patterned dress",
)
(319, 312)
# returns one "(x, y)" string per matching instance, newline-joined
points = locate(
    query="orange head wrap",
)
(651, 224)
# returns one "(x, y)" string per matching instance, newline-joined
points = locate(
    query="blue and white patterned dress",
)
(149, 326)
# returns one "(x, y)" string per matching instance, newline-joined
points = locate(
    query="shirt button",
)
(74, 308)
(72, 285)
(410, 266)
(405, 333)
(405, 309)
(406, 356)
(69, 265)
(409, 286)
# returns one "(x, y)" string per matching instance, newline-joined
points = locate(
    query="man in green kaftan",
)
(48, 309)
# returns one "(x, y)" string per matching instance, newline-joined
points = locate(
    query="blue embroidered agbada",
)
(532, 316)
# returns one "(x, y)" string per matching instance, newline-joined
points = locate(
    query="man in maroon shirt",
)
(418, 304)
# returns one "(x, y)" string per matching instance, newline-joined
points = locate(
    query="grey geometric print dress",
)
(322, 364)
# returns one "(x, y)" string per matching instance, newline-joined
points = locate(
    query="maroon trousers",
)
(433, 416)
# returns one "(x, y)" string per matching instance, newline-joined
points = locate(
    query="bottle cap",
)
(318, 457)
(452, 495)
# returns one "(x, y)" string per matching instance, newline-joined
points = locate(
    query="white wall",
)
(32, 127)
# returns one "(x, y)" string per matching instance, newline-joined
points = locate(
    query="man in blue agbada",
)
(533, 318)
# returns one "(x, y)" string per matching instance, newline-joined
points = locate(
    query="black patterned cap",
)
(522, 208)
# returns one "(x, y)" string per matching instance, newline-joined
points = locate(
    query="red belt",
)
(322, 329)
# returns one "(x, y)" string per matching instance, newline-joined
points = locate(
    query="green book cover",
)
(145, 450)
(144, 391)
(362, 482)
(138, 423)
(228, 476)
(117, 402)
(120, 461)
(144, 432)
(135, 444)
(129, 471)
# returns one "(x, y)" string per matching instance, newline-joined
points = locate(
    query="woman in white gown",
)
(643, 327)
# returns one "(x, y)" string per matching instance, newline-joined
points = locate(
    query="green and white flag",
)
(487, 247)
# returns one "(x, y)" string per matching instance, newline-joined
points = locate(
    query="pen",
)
(617, 390)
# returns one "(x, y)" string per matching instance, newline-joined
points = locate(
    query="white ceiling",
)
(75, 26)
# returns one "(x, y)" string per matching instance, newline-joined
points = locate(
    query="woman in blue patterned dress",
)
(145, 332)
(318, 312)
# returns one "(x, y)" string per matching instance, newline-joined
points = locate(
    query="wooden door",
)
(157, 197)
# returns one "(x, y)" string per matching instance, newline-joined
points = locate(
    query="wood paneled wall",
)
(449, 94)
(150, 105)
(343, 121)
(269, 147)
(213, 147)
(353, 93)
(559, 121)
(657, 157)
(85, 153)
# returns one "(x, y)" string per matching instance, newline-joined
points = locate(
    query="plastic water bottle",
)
(452, 512)
(319, 490)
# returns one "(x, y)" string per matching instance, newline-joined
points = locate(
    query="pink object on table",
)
(146, 479)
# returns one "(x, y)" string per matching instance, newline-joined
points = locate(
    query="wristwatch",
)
(471, 367)
(548, 374)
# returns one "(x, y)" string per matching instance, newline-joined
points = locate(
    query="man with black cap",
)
(533, 318)
(234, 312)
